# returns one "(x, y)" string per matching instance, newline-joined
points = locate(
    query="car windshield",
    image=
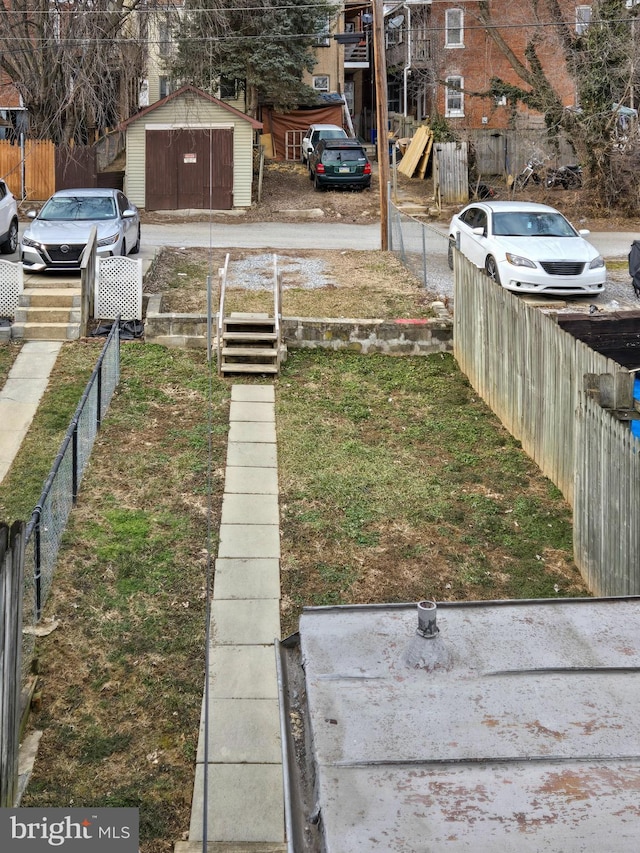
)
(343, 155)
(531, 224)
(78, 208)
(332, 134)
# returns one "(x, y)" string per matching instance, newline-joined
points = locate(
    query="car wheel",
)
(450, 254)
(11, 243)
(491, 269)
(316, 184)
(136, 246)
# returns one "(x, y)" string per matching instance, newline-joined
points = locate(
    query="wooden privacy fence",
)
(505, 151)
(535, 377)
(30, 171)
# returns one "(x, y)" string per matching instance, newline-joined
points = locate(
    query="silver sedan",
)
(58, 234)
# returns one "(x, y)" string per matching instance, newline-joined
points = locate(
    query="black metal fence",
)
(48, 521)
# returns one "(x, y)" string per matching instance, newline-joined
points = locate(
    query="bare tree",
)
(596, 55)
(76, 64)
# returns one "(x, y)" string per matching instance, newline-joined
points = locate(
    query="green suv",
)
(339, 163)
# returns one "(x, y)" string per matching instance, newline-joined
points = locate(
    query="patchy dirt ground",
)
(287, 195)
(314, 283)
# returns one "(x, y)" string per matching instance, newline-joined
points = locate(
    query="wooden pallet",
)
(418, 152)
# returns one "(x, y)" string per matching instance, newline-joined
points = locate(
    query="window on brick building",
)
(454, 28)
(454, 97)
(583, 18)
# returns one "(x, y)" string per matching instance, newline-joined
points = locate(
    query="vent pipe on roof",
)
(427, 619)
(434, 654)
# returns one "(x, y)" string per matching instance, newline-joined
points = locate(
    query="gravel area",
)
(255, 273)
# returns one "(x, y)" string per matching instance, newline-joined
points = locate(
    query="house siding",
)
(184, 112)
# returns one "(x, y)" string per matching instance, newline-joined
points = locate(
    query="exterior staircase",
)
(48, 310)
(247, 342)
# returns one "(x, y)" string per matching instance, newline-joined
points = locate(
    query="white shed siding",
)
(185, 112)
(134, 174)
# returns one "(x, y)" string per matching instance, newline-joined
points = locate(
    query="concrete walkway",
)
(21, 394)
(239, 743)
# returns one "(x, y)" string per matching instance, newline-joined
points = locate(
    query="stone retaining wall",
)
(394, 337)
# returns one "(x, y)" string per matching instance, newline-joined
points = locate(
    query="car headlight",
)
(109, 241)
(519, 261)
(596, 263)
(27, 241)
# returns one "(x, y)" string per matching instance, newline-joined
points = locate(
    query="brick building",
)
(441, 57)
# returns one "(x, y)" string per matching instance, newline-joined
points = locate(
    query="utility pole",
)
(380, 73)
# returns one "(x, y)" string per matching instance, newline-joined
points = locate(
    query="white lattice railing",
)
(118, 289)
(10, 287)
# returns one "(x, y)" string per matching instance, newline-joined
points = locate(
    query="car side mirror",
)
(128, 213)
(479, 230)
(31, 214)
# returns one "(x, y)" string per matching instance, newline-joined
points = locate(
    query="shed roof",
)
(515, 728)
(193, 91)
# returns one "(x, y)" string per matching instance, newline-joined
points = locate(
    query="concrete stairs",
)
(249, 344)
(48, 310)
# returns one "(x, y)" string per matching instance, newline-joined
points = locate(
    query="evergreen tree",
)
(265, 44)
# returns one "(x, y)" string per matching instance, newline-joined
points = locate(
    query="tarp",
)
(277, 125)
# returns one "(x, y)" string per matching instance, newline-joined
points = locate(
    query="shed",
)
(189, 151)
(484, 726)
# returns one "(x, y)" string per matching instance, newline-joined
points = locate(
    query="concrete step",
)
(47, 282)
(45, 331)
(47, 315)
(52, 298)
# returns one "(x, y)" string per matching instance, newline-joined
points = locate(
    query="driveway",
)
(263, 235)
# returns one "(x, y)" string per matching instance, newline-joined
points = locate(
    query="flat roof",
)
(515, 728)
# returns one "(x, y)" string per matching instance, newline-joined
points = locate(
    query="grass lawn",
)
(396, 484)
(8, 354)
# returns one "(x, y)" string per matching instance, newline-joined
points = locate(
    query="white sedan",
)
(527, 248)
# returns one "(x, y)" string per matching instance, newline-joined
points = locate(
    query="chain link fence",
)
(48, 520)
(422, 248)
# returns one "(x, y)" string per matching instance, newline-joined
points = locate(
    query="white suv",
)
(315, 133)
(8, 221)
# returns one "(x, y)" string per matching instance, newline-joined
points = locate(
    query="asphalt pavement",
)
(318, 235)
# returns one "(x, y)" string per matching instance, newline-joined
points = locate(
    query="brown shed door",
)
(189, 169)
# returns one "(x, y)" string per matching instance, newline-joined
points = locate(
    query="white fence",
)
(118, 289)
(10, 288)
